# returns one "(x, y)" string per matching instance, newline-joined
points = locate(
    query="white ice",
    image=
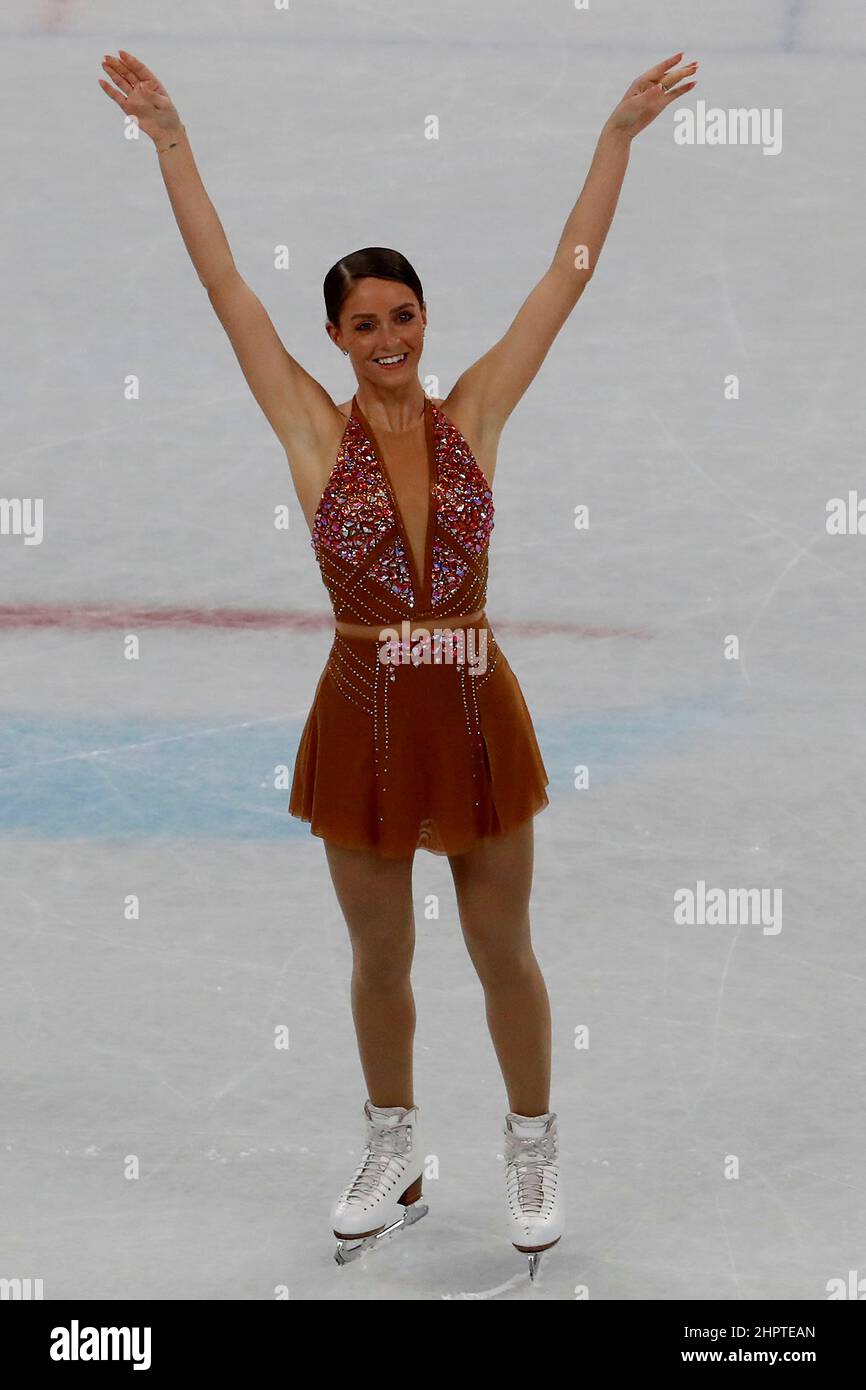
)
(155, 1037)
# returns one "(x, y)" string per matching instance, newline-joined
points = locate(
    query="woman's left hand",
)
(649, 94)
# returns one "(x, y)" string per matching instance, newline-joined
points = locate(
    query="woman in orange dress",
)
(418, 736)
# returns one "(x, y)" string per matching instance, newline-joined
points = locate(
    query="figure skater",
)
(418, 736)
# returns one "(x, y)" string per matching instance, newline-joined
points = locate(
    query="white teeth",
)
(388, 360)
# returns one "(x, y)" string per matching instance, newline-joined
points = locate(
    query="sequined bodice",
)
(360, 540)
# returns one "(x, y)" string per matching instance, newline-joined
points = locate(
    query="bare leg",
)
(375, 896)
(493, 883)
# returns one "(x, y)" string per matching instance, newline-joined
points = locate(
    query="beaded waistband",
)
(407, 629)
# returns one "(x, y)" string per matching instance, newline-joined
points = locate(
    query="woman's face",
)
(381, 319)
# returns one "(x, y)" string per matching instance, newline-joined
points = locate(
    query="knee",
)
(383, 963)
(499, 962)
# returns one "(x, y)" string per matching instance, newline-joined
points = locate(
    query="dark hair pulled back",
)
(378, 261)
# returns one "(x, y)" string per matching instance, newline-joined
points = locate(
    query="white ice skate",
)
(384, 1193)
(535, 1209)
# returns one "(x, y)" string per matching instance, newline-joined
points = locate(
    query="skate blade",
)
(348, 1250)
(533, 1256)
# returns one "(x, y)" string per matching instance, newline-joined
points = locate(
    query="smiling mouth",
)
(389, 363)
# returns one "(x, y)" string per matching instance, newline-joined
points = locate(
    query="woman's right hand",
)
(140, 93)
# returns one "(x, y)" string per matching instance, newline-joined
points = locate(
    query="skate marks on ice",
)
(515, 1282)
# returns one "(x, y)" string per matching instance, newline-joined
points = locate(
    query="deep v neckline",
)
(421, 583)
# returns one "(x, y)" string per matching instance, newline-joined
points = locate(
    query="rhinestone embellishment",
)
(358, 540)
(355, 510)
(391, 570)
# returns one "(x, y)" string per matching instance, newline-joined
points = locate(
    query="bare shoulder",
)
(483, 439)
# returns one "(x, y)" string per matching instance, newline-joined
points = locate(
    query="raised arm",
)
(297, 407)
(487, 392)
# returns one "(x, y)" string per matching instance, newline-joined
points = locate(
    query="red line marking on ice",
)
(90, 618)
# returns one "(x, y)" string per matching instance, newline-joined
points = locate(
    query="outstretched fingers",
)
(117, 72)
(116, 96)
(677, 92)
(143, 73)
(655, 74)
(130, 74)
(137, 67)
(657, 89)
(673, 78)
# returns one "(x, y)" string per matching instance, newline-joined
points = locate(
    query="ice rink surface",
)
(709, 1044)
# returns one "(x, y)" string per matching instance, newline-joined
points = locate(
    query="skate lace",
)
(527, 1159)
(384, 1144)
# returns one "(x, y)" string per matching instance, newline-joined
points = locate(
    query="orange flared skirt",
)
(417, 753)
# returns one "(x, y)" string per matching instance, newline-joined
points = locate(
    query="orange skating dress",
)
(412, 742)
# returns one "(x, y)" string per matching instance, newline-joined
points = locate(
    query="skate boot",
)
(384, 1194)
(535, 1209)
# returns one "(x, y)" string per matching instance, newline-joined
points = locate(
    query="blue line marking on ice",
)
(135, 779)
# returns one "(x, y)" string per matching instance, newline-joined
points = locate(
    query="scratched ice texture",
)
(154, 1036)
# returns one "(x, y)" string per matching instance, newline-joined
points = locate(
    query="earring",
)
(345, 352)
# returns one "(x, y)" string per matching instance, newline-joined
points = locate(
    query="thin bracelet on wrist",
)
(163, 149)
